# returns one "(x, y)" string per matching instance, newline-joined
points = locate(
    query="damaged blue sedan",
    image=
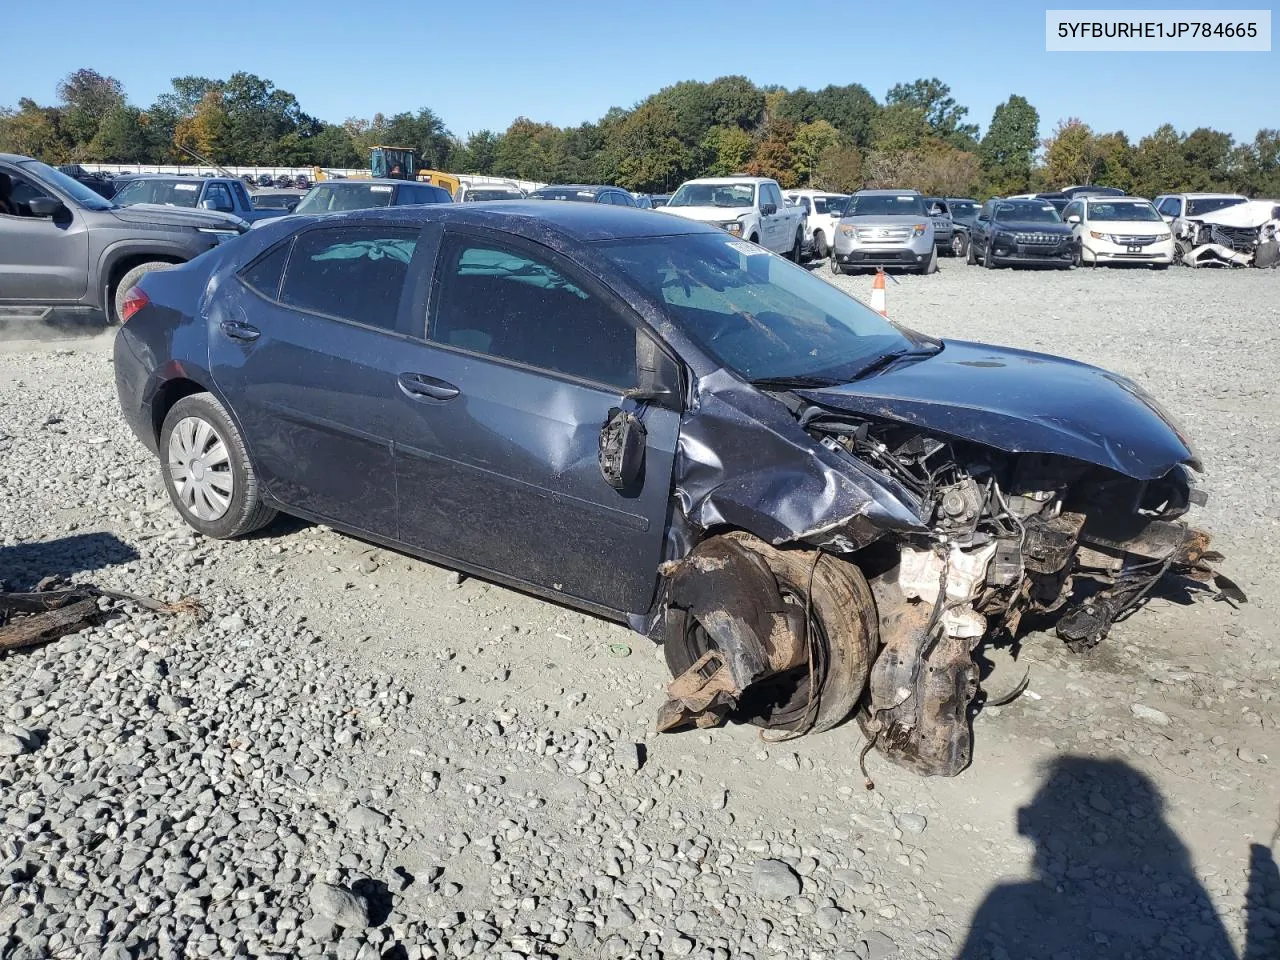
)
(820, 514)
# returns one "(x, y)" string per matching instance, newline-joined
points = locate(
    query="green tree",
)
(773, 156)
(1070, 154)
(729, 148)
(1008, 148)
(647, 150)
(87, 96)
(840, 169)
(34, 131)
(123, 137)
(1208, 160)
(899, 127)
(944, 116)
(1159, 165)
(810, 142)
(208, 130)
(850, 109)
(479, 152)
(1115, 160)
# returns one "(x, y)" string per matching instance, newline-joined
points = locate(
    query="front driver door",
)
(498, 438)
(43, 260)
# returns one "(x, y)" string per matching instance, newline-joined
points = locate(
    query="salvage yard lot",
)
(480, 765)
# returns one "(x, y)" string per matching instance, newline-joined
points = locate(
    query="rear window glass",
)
(263, 275)
(354, 273)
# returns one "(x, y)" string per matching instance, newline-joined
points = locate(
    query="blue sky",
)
(480, 65)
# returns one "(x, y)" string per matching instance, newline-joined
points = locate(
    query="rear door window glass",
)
(353, 273)
(504, 302)
(264, 274)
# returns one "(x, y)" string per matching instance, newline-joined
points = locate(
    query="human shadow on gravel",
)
(1112, 878)
(1262, 904)
(26, 564)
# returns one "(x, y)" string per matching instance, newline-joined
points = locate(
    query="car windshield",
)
(330, 198)
(1126, 210)
(827, 204)
(962, 209)
(714, 195)
(68, 185)
(564, 193)
(1034, 212)
(760, 316)
(478, 195)
(1210, 204)
(170, 193)
(885, 205)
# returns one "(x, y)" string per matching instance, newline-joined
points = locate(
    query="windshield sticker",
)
(376, 189)
(1047, 206)
(186, 186)
(906, 198)
(745, 247)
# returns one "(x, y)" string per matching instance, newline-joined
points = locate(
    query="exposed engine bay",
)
(1003, 536)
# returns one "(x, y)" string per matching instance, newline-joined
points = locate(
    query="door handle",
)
(418, 385)
(238, 330)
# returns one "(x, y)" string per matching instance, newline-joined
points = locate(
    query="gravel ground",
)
(361, 755)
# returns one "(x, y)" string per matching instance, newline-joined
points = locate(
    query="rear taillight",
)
(134, 301)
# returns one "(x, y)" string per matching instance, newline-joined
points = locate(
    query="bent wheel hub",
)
(199, 466)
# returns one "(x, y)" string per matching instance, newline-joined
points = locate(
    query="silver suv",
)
(885, 228)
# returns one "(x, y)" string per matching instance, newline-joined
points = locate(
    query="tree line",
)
(837, 138)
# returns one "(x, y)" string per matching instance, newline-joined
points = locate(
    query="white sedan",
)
(1119, 230)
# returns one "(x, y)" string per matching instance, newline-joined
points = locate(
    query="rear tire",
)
(932, 265)
(129, 281)
(207, 471)
(833, 266)
(819, 245)
(971, 257)
(988, 260)
(797, 247)
(959, 244)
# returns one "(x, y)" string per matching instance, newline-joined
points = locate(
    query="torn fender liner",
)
(744, 462)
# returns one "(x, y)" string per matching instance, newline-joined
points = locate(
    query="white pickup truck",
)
(747, 207)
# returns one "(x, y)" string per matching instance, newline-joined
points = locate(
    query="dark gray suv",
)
(67, 253)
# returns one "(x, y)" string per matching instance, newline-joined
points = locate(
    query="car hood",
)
(886, 221)
(1251, 213)
(708, 214)
(178, 216)
(1023, 402)
(1032, 227)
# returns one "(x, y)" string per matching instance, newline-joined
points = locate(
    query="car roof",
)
(353, 182)
(534, 219)
(885, 193)
(581, 187)
(726, 181)
(1202, 196)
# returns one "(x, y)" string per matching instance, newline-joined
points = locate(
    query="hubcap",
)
(200, 468)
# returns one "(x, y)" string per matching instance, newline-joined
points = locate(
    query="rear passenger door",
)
(306, 346)
(497, 446)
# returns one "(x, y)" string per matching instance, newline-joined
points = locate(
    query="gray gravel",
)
(361, 755)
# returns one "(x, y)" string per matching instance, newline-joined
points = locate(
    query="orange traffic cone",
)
(879, 301)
